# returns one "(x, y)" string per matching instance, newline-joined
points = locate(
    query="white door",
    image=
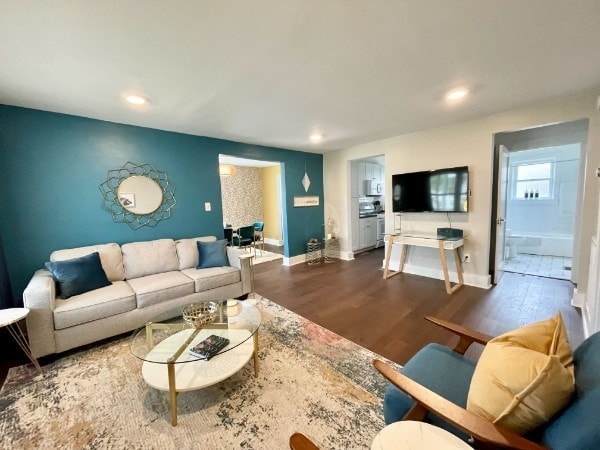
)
(501, 212)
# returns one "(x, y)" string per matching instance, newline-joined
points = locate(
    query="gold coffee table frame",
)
(171, 361)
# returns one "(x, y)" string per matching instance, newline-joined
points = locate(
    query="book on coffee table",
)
(209, 347)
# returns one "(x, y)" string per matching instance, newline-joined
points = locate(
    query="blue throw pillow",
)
(78, 275)
(212, 254)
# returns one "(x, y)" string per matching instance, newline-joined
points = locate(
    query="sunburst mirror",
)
(138, 195)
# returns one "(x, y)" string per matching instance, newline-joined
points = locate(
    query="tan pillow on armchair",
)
(524, 376)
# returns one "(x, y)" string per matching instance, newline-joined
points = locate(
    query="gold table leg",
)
(449, 288)
(256, 354)
(252, 275)
(172, 393)
(171, 373)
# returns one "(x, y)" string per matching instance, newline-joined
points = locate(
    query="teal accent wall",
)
(52, 164)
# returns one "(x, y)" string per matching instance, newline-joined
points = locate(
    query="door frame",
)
(494, 211)
(563, 133)
(502, 169)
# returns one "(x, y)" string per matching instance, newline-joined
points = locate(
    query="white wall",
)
(468, 143)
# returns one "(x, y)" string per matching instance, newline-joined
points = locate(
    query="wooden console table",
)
(431, 241)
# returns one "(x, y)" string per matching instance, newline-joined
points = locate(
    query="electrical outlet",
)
(466, 258)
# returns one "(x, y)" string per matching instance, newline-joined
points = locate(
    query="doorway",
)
(540, 214)
(367, 203)
(538, 190)
(251, 193)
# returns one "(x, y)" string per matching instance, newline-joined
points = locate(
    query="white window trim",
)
(551, 189)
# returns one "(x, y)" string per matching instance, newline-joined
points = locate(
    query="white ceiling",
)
(272, 72)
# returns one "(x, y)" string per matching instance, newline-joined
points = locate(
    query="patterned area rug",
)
(311, 380)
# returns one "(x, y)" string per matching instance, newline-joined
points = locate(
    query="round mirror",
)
(140, 195)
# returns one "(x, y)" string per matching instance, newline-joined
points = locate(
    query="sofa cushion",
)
(150, 257)
(110, 257)
(160, 287)
(523, 377)
(78, 275)
(187, 251)
(97, 304)
(213, 277)
(212, 254)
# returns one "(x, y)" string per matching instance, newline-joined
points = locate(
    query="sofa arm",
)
(243, 261)
(39, 297)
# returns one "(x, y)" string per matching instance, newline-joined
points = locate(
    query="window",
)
(534, 179)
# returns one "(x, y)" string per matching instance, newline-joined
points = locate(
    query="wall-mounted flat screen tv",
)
(444, 190)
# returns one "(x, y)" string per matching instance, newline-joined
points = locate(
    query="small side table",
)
(413, 435)
(313, 253)
(9, 318)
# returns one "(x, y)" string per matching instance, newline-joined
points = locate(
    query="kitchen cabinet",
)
(370, 171)
(367, 232)
(367, 171)
(373, 172)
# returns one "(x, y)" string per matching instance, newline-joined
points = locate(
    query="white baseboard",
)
(585, 318)
(298, 259)
(470, 279)
(578, 299)
(276, 242)
(480, 281)
(347, 256)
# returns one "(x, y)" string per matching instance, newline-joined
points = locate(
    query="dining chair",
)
(259, 237)
(244, 238)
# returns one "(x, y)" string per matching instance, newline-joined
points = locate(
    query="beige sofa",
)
(146, 278)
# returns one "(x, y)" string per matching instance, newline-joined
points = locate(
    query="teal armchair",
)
(434, 384)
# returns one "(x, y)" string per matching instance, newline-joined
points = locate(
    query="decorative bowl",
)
(200, 314)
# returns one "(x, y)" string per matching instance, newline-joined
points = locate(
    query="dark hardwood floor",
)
(386, 316)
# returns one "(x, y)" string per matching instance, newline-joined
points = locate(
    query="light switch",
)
(207, 206)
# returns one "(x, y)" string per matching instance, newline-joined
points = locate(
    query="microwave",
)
(373, 188)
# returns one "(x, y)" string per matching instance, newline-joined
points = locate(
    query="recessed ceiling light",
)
(136, 99)
(457, 94)
(316, 137)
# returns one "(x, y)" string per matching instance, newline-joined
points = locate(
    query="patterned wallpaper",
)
(242, 196)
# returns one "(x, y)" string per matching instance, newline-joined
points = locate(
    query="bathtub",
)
(545, 244)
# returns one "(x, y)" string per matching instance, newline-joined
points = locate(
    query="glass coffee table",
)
(164, 344)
